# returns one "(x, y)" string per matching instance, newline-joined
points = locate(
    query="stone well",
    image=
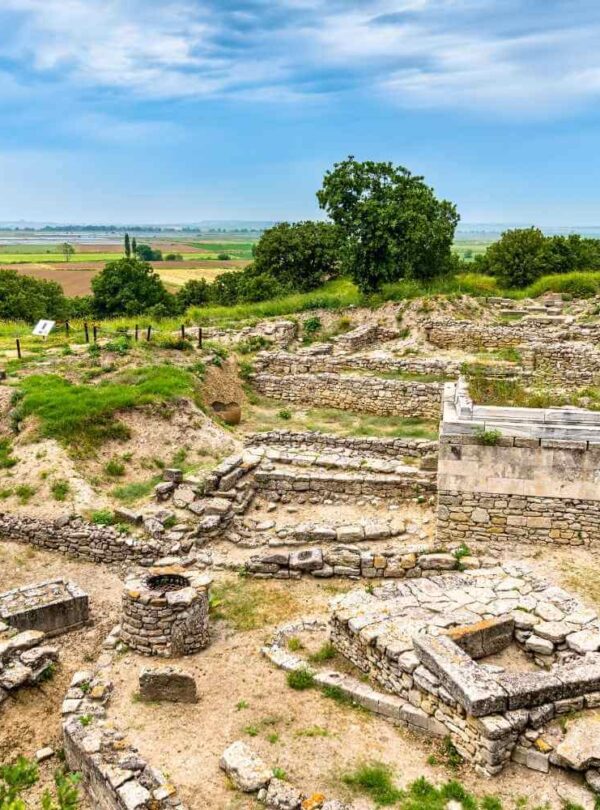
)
(165, 611)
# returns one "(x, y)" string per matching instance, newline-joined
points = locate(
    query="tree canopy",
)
(522, 255)
(24, 298)
(392, 224)
(299, 255)
(129, 286)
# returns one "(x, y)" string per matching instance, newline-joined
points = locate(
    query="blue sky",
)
(182, 110)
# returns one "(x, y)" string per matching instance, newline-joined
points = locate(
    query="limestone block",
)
(247, 771)
(168, 684)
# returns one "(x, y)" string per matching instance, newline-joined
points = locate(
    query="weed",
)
(6, 460)
(103, 517)
(279, 773)
(5, 493)
(325, 653)
(313, 731)
(312, 325)
(488, 437)
(251, 731)
(25, 493)
(129, 493)
(273, 738)
(285, 414)
(294, 644)
(114, 468)
(374, 779)
(48, 673)
(86, 719)
(451, 754)
(60, 489)
(300, 679)
(241, 704)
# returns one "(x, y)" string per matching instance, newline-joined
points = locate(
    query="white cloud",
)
(524, 56)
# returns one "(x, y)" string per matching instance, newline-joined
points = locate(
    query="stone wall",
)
(475, 335)
(346, 561)
(349, 445)
(361, 394)
(362, 336)
(566, 365)
(72, 535)
(54, 607)
(312, 363)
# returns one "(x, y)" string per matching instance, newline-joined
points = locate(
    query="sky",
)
(162, 111)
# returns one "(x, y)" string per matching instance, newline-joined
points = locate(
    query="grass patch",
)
(102, 517)
(374, 779)
(250, 604)
(300, 679)
(83, 416)
(324, 653)
(130, 493)
(25, 493)
(60, 489)
(6, 460)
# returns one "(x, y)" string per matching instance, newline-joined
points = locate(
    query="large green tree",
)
(129, 286)
(299, 255)
(517, 259)
(23, 298)
(392, 224)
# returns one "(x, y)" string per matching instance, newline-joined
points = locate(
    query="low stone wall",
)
(325, 484)
(115, 776)
(362, 336)
(474, 335)
(72, 535)
(25, 660)
(361, 394)
(346, 561)
(350, 446)
(310, 363)
(280, 333)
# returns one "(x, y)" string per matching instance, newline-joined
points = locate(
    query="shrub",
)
(103, 517)
(324, 653)
(312, 325)
(223, 257)
(60, 489)
(24, 298)
(285, 414)
(121, 345)
(579, 285)
(129, 286)
(300, 679)
(176, 344)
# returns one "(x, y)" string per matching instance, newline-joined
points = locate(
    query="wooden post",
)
(183, 331)
(199, 337)
(18, 348)
(149, 333)
(137, 333)
(67, 328)
(87, 334)
(95, 333)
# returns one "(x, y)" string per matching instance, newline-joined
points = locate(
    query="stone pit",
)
(165, 612)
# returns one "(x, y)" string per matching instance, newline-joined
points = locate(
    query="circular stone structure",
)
(165, 611)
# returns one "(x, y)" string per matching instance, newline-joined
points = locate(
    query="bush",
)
(223, 257)
(194, 293)
(285, 414)
(6, 460)
(114, 468)
(174, 257)
(148, 254)
(24, 298)
(312, 325)
(23, 774)
(488, 437)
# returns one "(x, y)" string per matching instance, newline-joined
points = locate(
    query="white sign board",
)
(43, 328)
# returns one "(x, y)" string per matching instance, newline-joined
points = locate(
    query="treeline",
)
(523, 255)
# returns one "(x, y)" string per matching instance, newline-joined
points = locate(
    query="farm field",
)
(76, 277)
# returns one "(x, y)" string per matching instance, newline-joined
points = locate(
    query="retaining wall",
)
(354, 393)
(309, 363)
(368, 446)
(473, 335)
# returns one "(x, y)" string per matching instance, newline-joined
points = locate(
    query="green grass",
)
(83, 416)
(300, 679)
(375, 780)
(130, 493)
(325, 653)
(250, 604)
(6, 460)
(60, 489)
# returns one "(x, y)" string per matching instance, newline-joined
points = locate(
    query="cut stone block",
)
(168, 684)
(247, 771)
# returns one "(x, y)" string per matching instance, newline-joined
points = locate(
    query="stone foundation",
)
(165, 612)
(54, 607)
(414, 639)
(348, 445)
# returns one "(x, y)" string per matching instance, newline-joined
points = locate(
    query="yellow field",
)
(177, 276)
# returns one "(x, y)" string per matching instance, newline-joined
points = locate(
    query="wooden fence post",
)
(87, 334)
(137, 334)
(199, 337)
(18, 348)
(149, 333)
